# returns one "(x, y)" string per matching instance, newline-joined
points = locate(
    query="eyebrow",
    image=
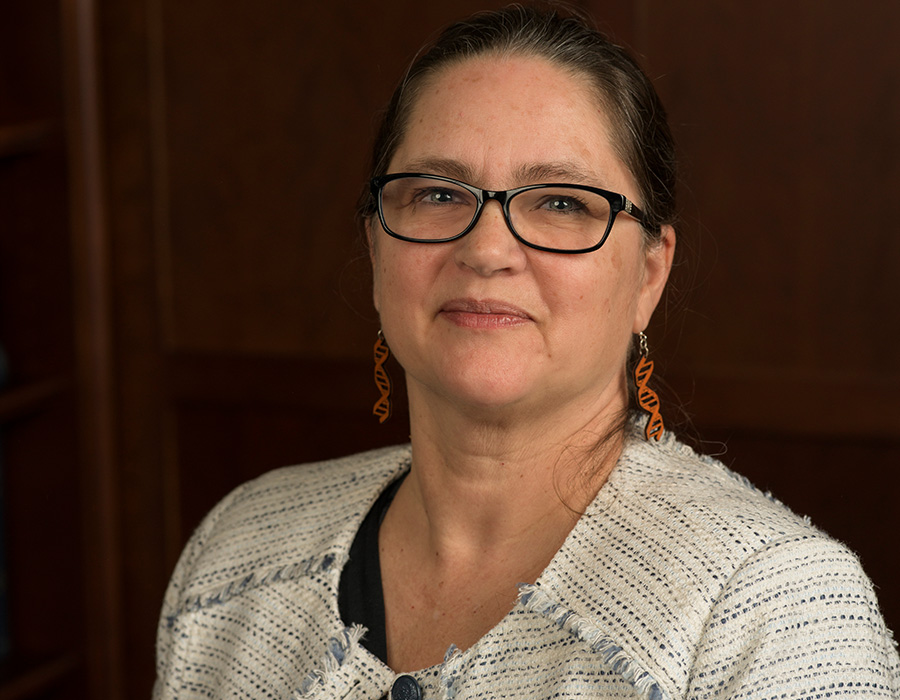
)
(442, 166)
(534, 173)
(528, 174)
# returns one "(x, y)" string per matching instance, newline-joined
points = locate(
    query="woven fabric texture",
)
(680, 581)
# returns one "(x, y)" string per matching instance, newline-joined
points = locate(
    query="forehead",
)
(498, 116)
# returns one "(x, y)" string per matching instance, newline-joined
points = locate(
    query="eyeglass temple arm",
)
(633, 211)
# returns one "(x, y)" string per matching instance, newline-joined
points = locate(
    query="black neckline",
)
(360, 592)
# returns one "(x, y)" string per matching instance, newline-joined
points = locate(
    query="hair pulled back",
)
(640, 131)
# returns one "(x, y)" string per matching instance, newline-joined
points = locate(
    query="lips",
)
(483, 313)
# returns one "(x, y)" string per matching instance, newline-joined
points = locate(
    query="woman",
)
(537, 538)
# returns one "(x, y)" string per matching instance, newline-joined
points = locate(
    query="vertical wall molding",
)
(95, 354)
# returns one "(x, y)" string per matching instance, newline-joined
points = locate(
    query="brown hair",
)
(642, 138)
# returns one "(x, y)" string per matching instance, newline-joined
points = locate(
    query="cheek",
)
(387, 288)
(598, 301)
(400, 275)
(599, 288)
(625, 272)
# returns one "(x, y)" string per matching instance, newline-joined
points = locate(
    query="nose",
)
(490, 247)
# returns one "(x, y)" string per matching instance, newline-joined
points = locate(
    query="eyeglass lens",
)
(563, 218)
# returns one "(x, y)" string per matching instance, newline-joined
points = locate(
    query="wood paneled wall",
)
(236, 139)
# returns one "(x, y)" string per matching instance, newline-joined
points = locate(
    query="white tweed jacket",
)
(680, 581)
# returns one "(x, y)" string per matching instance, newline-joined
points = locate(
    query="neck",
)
(482, 485)
(487, 505)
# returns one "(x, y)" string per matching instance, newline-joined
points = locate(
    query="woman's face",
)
(484, 322)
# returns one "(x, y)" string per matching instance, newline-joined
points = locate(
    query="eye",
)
(560, 204)
(436, 196)
(439, 196)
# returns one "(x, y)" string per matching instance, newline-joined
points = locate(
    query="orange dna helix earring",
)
(647, 398)
(382, 408)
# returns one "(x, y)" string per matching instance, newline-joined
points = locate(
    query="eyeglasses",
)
(556, 218)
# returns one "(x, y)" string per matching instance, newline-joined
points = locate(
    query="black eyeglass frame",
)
(617, 202)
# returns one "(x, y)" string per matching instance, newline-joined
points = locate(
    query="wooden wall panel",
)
(41, 544)
(144, 483)
(28, 213)
(787, 120)
(42, 580)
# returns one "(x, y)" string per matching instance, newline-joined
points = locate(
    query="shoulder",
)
(669, 530)
(298, 517)
(296, 496)
(716, 526)
(700, 499)
(690, 572)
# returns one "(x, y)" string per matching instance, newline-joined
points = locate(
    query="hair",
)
(640, 130)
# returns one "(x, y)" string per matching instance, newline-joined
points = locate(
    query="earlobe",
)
(658, 263)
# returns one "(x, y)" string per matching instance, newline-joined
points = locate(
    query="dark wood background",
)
(185, 301)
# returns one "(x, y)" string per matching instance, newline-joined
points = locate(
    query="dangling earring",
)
(647, 398)
(382, 408)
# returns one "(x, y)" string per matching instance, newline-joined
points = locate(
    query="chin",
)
(487, 395)
(480, 381)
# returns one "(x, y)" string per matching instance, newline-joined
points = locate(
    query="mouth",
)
(483, 313)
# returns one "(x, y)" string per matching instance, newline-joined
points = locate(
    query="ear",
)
(658, 264)
(373, 260)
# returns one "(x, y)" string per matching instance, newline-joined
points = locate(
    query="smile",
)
(483, 313)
